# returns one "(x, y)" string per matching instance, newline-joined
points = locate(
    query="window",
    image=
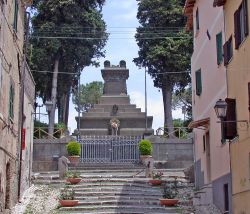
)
(228, 51)
(198, 82)
(226, 198)
(241, 24)
(230, 128)
(219, 48)
(15, 15)
(197, 20)
(11, 101)
(204, 143)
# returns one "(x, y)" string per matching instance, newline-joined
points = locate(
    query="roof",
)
(199, 123)
(188, 11)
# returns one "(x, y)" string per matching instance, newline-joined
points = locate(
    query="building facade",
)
(212, 160)
(236, 54)
(15, 114)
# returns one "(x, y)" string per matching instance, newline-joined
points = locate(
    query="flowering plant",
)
(157, 175)
(67, 193)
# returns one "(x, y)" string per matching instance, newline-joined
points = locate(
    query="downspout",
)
(21, 102)
(229, 145)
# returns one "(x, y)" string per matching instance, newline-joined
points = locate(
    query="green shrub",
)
(73, 148)
(145, 147)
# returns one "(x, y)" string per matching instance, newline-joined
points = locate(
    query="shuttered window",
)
(198, 82)
(241, 29)
(11, 101)
(228, 51)
(15, 15)
(219, 48)
(230, 127)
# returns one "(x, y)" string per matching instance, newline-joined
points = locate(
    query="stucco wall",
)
(238, 79)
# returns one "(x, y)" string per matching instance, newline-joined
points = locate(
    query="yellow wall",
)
(238, 77)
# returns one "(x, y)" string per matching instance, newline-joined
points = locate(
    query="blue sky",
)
(121, 21)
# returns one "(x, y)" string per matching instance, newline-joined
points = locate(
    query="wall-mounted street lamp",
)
(221, 112)
(48, 105)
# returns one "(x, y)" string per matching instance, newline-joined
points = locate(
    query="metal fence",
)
(107, 149)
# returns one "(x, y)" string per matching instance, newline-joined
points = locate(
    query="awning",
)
(199, 123)
(218, 3)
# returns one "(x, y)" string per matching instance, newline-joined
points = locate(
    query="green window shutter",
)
(219, 48)
(198, 82)
(11, 102)
(15, 15)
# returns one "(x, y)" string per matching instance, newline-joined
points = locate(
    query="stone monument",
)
(114, 114)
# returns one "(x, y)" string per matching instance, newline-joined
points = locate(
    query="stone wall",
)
(167, 153)
(172, 153)
(46, 153)
(11, 66)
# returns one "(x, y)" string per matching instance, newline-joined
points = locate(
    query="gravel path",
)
(38, 199)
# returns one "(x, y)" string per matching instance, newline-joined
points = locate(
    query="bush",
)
(145, 147)
(73, 148)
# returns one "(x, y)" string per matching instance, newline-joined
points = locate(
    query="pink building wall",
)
(214, 87)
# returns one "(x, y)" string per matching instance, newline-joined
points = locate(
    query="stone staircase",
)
(114, 189)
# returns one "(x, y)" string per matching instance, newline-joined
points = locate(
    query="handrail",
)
(179, 132)
(42, 132)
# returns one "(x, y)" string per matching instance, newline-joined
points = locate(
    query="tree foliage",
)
(72, 32)
(164, 47)
(89, 95)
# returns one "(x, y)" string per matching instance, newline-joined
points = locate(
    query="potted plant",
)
(156, 178)
(66, 198)
(169, 194)
(73, 177)
(145, 148)
(73, 148)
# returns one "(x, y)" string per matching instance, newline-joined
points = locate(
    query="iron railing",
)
(108, 149)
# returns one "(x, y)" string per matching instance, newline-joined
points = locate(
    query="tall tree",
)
(87, 96)
(164, 48)
(66, 36)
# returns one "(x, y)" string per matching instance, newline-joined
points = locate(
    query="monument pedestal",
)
(114, 105)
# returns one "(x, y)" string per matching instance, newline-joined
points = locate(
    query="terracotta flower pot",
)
(68, 203)
(74, 180)
(155, 182)
(144, 157)
(74, 159)
(168, 201)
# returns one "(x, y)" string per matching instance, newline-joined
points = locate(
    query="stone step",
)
(118, 202)
(117, 211)
(121, 193)
(108, 107)
(92, 185)
(124, 189)
(118, 197)
(121, 208)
